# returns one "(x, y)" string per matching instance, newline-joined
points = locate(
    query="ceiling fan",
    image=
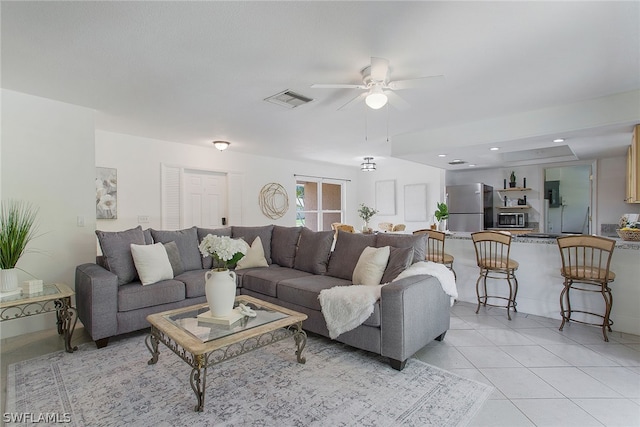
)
(379, 89)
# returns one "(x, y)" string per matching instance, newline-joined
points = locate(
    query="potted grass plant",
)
(17, 229)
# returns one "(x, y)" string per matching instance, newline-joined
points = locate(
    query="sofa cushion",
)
(187, 242)
(399, 260)
(133, 296)
(194, 281)
(304, 291)
(284, 241)
(265, 280)
(152, 263)
(116, 250)
(346, 253)
(254, 256)
(174, 258)
(248, 234)
(148, 238)
(207, 261)
(371, 266)
(374, 319)
(313, 251)
(416, 241)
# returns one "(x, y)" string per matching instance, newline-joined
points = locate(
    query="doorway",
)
(204, 199)
(567, 199)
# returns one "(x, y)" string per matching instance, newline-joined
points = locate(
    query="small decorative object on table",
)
(366, 213)
(629, 228)
(441, 214)
(220, 287)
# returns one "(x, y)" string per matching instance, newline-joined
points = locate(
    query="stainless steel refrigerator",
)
(470, 207)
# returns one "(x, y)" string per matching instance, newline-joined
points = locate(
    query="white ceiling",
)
(194, 72)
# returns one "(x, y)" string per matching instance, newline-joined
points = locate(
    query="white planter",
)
(9, 279)
(220, 289)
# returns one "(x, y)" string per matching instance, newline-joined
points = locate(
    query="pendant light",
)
(368, 165)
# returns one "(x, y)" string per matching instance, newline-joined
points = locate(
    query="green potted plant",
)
(441, 214)
(17, 229)
(512, 180)
(366, 213)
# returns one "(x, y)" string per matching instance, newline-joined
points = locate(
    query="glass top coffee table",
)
(203, 344)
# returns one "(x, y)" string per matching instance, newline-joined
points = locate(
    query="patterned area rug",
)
(338, 386)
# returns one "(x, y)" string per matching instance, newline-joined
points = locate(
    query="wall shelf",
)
(514, 189)
(514, 207)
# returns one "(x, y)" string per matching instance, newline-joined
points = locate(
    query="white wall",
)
(611, 182)
(48, 160)
(138, 161)
(404, 173)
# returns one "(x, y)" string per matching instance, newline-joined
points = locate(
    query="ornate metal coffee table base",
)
(201, 362)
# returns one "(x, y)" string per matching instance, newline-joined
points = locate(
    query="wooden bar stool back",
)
(492, 255)
(435, 249)
(585, 267)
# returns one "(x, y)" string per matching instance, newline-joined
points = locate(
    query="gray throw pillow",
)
(187, 242)
(174, 258)
(345, 255)
(313, 251)
(207, 262)
(416, 241)
(249, 234)
(399, 260)
(116, 250)
(148, 238)
(284, 241)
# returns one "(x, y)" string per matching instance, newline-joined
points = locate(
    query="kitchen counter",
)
(540, 282)
(547, 239)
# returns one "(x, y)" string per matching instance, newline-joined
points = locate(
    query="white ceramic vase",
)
(220, 289)
(8, 279)
(442, 225)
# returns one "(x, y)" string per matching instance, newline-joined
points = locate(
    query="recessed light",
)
(442, 155)
(472, 165)
(494, 148)
(558, 140)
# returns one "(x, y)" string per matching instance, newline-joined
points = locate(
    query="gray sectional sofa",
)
(410, 313)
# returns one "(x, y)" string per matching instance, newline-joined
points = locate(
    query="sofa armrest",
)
(97, 300)
(414, 311)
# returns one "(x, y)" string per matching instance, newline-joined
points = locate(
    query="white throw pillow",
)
(152, 263)
(370, 266)
(254, 256)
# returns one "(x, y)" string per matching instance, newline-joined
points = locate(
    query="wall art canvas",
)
(386, 197)
(106, 193)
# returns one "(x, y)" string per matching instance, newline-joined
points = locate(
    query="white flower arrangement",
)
(224, 249)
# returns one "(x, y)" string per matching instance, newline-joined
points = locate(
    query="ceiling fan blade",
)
(396, 101)
(379, 69)
(419, 83)
(337, 86)
(353, 101)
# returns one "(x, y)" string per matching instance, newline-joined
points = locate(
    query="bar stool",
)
(586, 260)
(492, 255)
(435, 249)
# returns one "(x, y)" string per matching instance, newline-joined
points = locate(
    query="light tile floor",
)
(542, 377)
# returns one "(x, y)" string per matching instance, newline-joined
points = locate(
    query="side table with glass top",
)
(54, 297)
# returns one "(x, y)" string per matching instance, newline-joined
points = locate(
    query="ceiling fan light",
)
(376, 99)
(221, 145)
(368, 165)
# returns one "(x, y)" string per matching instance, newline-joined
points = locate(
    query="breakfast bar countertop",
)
(546, 239)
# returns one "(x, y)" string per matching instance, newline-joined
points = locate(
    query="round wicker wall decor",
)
(274, 200)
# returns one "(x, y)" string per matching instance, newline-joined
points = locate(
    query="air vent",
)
(288, 99)
(457, 162)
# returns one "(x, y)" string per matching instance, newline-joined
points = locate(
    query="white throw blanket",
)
(347, 307)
